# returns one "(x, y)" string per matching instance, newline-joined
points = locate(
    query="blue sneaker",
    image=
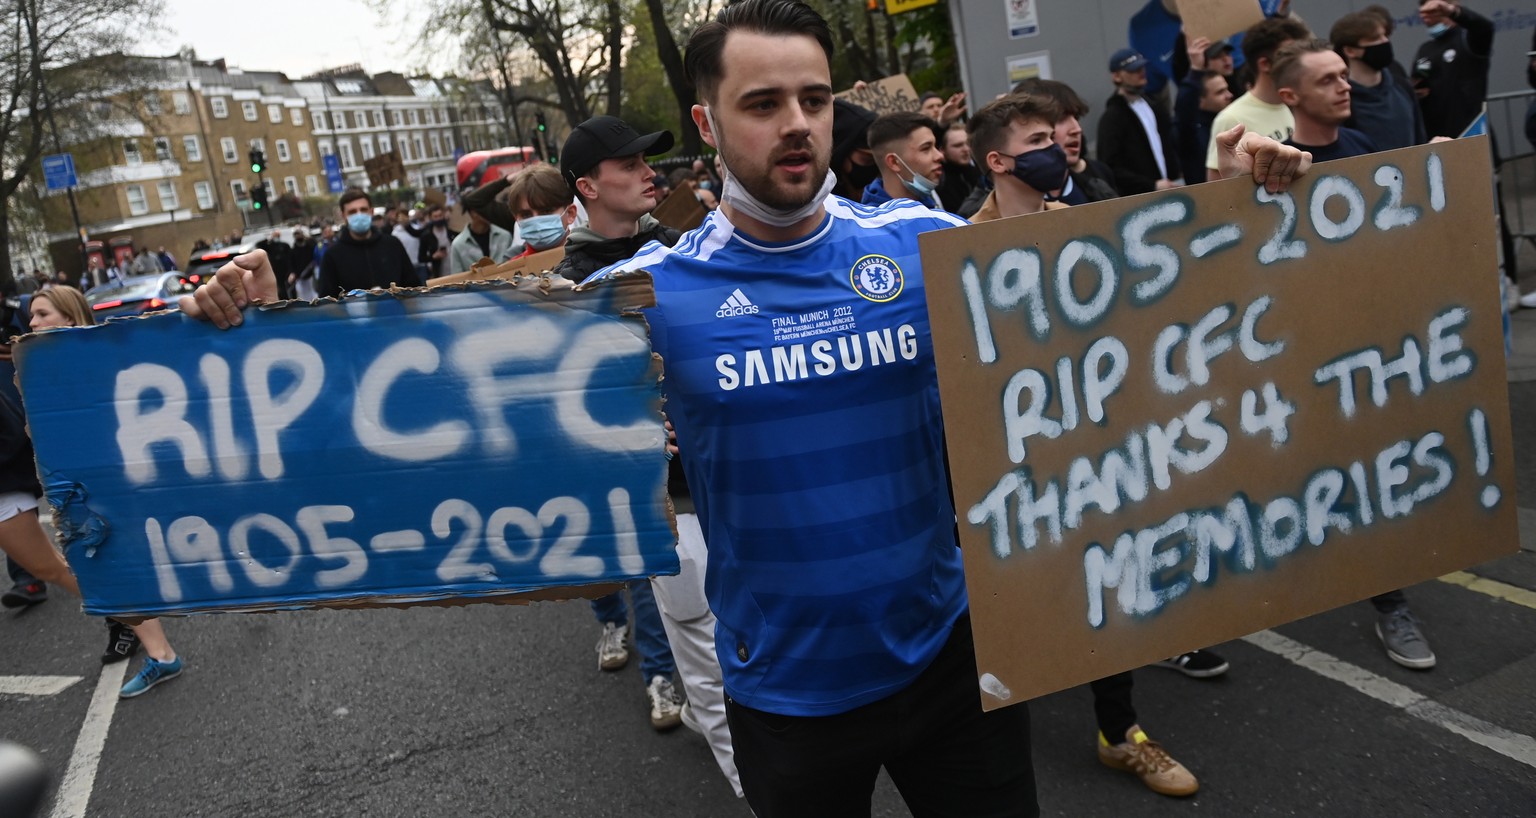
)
(151, 674)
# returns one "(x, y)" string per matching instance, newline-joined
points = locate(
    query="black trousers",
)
(944, 754)
(1112, 705)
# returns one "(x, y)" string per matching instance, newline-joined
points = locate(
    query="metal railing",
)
(1514, 166)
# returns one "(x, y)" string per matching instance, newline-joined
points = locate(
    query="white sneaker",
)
(1528, 300)
(612, 647)
(666, 709)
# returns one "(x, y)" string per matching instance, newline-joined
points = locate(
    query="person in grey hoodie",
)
(604, 164)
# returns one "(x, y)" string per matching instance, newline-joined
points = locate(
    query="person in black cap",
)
(1136, 138)
(1203, 92)
(604, 163)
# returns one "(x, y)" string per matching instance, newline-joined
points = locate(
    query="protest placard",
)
(467, 442)
(1217, 20)
(1180, 418)
(529, 265)
(884, 96)
(681, 210)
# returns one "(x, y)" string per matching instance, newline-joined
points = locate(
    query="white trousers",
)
(691, 631)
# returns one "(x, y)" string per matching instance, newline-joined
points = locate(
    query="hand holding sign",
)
(1272, 164)
(246, 279)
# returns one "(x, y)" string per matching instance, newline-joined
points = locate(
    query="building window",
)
(421, 150)
(297, 117)
(384, 143)
(193, 148)
(220, 108)
(427, 116)
(248, 109)
(168, 199)
(346, 154)
(325, 147)
(437, 145)
(227, 147)
(395, 116)
(378, 119)
(237, 186)
(275, 114)
(311, 185)
(415, 117)
(137, 204)
(405, 150)
(204, 193)
(180, 103)
(282, 151)
(367, 146)
(448, 140)
(152, 104)
(259, 143)
(304, 154)
(319, 118)
(360, 119)
(162, 149)
(291, 184)
(131, 153)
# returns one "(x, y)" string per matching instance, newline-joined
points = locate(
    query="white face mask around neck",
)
(740, 200)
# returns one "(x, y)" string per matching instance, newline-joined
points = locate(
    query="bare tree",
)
(55, 60)
(572, 40)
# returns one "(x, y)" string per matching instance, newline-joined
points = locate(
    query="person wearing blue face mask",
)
(906, 149)
(363, 258)
(544, 208)
(1450, 73)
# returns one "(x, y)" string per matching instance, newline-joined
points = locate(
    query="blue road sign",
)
(59, 171)
(333, 172)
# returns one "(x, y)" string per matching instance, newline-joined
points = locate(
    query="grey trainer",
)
(1405, 643)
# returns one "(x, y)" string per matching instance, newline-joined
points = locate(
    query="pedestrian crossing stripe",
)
(35, 685)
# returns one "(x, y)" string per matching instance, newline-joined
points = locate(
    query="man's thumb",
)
(1229, 138)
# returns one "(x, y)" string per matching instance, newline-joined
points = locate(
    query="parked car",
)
(203, 265)
(140, 294)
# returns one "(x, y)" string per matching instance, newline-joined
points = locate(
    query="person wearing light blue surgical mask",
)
(905, 145)
(543, 206)
(363, 257)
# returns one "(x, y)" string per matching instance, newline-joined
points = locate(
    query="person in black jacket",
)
(604, 164)
(1136, 139)
(436, 239)
(1451, 71)
(363, 258)
(1202, 94)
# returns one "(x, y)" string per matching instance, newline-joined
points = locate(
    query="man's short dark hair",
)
(1354, 28)
(1071, 104)
(352, 194)
(1386, 17)
(989, 126)
(888, 129)
(1285, 66)
(1263, 37)
(788, 17)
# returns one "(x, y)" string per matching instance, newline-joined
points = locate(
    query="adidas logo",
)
(736, 305)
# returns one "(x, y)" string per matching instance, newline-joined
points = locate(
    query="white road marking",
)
(35, 685)
(80, 778)
(1516, 746)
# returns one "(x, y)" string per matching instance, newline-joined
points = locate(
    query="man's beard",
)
(762, 188)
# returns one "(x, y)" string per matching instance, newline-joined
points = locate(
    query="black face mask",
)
(1378, 56)
(859, 176)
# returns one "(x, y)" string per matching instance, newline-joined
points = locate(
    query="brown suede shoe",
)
(1149, 761)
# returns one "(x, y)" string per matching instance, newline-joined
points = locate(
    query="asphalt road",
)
(500, 711)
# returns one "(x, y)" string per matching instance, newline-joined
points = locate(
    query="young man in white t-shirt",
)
(1260, 110)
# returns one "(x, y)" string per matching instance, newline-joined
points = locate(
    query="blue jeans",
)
(19, 575)
(650, 636)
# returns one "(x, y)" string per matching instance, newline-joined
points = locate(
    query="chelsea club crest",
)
(876, 278)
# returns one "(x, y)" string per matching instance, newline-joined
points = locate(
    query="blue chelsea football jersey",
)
(800, 380)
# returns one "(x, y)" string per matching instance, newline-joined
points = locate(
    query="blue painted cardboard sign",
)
(407, 447)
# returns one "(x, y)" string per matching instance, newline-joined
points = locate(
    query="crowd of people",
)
(820, 627)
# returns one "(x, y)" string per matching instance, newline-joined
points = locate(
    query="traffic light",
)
(258, 195)
(546, 141)
(258, 160)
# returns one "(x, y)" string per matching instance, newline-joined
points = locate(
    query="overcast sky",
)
(296, 37)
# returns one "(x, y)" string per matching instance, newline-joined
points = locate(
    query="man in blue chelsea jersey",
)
(800, 379)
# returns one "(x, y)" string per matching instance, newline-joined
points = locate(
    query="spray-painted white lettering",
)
(1274, 418)
(1336, 187)
(1283, 244)
(1390, 212)
(1141, 254)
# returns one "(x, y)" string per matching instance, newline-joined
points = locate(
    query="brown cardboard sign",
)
(1180, 418)
(681, 210)
(1217, 20)
(485, 270)
(884, 96)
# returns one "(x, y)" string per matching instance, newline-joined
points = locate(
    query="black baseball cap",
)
(605, 137)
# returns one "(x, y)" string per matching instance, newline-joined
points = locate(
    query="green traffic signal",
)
(255, 168)
(255, 205)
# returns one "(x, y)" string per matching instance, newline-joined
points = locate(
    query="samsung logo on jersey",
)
(847, 353)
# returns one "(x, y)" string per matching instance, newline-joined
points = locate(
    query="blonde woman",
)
(21, 533)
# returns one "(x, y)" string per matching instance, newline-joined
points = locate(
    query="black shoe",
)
(1197, 664)
(23, 595)
(122, 643)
